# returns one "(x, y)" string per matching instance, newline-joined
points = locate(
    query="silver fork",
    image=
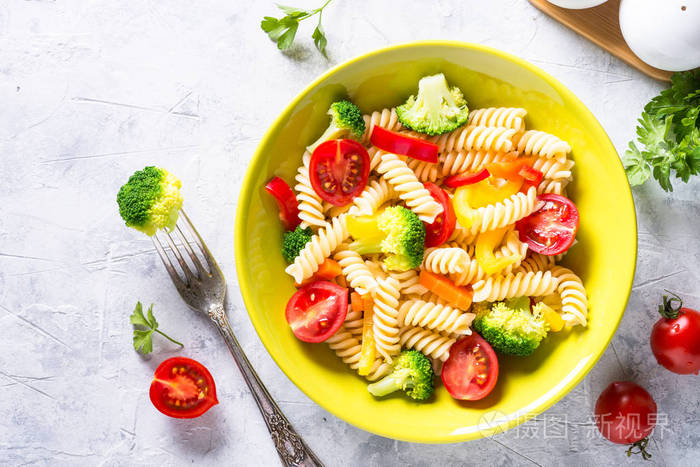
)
(204, 290)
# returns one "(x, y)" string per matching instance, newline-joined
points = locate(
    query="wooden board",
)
(601, 25)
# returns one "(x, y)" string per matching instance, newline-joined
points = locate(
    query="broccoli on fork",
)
(346, 120)
(437, 109)
(413, 374)
(150, 200)
(396, 232)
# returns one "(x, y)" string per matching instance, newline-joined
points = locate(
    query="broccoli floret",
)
(396, 232)
(510, 327)
(294, 242)
(346, 120)
(413, 374)
(150, 200)
(437, 109)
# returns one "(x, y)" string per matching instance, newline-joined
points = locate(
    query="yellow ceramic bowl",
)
(604, 257)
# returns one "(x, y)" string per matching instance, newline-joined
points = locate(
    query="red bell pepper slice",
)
(397, 143)
(466, 178)
(287, 202)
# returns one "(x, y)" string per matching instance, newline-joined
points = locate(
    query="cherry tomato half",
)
(338, 170)
(675, 338)
(466, 178)
(182, 388)
(396, 143)
(316, 311)
(286, 201)
(471, 371)
(551, 229)
(442, 227)
(625, 413)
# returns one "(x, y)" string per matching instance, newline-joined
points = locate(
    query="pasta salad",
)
(425, 239)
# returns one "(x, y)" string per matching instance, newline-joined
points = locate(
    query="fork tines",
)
(190, 263)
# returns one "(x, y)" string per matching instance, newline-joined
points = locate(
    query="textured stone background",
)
(92, 90)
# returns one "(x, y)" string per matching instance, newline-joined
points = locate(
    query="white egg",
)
(577, 4)
(663, 33)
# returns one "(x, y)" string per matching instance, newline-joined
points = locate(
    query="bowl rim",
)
(245, 282)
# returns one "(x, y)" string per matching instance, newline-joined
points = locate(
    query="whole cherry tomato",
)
(626, 414)
(675, 338)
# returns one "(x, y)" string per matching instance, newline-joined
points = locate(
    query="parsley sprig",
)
(282, 30)
(668, 134)
(143, 338)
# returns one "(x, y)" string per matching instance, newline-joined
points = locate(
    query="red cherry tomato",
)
(471, 371)
(675, 338)
(182, 388)
(316, 311)
(286, 201)
(551, 229)
(338, 170)
(396, 143)
(625, 414)
(466, 178)
(440, 230)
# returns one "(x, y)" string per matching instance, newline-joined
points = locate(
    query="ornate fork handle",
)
(291, 448)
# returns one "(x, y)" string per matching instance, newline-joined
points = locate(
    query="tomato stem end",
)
(640, 447)
(671, 306)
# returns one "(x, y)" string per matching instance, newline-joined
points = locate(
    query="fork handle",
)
(291, 448)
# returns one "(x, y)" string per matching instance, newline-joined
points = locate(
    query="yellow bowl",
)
(605, 255)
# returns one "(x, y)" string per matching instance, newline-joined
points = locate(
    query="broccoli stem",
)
(367, 246)
(387, 385)
(330, 133)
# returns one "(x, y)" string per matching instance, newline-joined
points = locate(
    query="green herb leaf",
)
(669, 133)
(293, 11)
(143, 338)
(283, 30)
(286, 39)
(319, 38)
(636, 167)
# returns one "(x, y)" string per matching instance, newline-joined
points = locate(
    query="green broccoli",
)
(294, 242)
(510, 327)
(346, 120)
(150, 200)
(413, 374)
(437, 109)
(396, 232)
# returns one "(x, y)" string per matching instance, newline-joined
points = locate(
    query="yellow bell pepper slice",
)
(468, 198)
(368, 352)
(486, 243)
(552, 318)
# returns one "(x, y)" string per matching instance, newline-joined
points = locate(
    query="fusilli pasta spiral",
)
(574, 303)
(435, 316)
(320, 247)
(476, 138)
(410, 189)
(374, 195)
(553, 169)
(310, 204)
(386, 318)
(432, 344)
(355, 271)
(455, 162)
(425, 171)
(504, 213)
(506, 117)
(540, 143)
(520, 284)
(408, 281)
(445, 260)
